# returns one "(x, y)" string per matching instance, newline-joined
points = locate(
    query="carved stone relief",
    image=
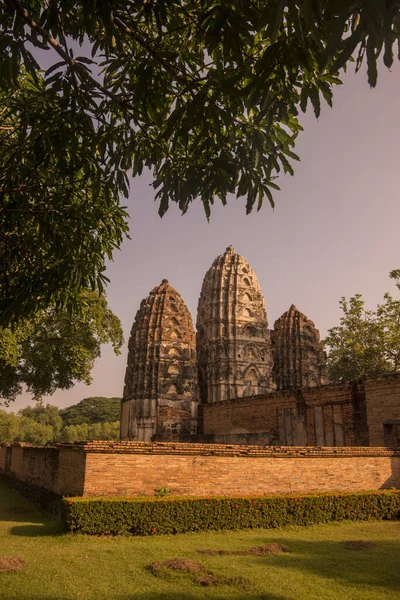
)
(161, 362)
(231, 310)
(299, 358)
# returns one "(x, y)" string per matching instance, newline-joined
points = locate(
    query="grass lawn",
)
(318, 565)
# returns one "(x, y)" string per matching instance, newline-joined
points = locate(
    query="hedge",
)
(150, 516)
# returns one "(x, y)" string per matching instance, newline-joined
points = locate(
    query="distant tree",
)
(111, 431)
(35, 433)
(45, 415)
(41, 424)
(367, 342)
(92, 410)
(85, 431)
(205, 94)
(9, 427)
(75, 433)
(54, 349)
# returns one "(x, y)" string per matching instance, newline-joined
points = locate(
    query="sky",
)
(334, 231)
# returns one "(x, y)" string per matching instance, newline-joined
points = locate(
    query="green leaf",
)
(347, 48)
(55, 67)
(314, 97)
(274, 23)
(371, 63)
(388, 55)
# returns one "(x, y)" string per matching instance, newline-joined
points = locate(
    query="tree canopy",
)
(367, 342)
(46, 424)
(46, 415)
(54, 349)
(92, 410)
(206, 94)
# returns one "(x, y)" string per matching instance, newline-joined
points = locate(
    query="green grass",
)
(76, 567)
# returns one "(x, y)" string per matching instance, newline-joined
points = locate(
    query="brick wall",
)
(202, 474)
(257, 414)
(71, 473)
(3, 455)
(383, 405)
(16, 464)
(349, 414)
(54, 469)
(332, 413)
(321, 416)
(139, 468)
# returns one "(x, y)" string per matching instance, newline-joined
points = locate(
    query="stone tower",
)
(299, 358)
(161, 393)
(233, 340)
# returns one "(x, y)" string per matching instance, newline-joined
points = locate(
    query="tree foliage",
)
(367, 342)
(92, 410)
(59, 210)
(38, 426)
(48, 416)
(206, 94)
(9, 427)
(46, 424)
(54, 349)
(91, 431)
(32, 432)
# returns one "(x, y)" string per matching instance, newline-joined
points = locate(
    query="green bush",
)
(149, 516)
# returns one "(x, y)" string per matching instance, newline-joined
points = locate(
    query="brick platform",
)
(139, 468)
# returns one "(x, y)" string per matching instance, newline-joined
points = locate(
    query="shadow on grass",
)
(168, 596)
(46, 529)
(377, 567)
(15, 508)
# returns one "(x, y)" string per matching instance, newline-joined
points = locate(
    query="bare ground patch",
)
(358, 545)
(11, 564)
(264, 550)
(199, 573)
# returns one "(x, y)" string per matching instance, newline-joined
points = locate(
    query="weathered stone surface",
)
(161, 394)
(233, 340)
(299, 358)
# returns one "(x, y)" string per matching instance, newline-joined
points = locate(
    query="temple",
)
(248, 385)
(299, 357)
(160, 394)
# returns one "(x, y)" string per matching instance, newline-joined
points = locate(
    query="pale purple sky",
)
(334, 231)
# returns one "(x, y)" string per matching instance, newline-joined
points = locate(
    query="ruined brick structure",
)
(256, 386)
(160, 394)
(233, 340)
(299, 358)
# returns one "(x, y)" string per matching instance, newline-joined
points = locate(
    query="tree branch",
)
(17, 6)
(160, 59)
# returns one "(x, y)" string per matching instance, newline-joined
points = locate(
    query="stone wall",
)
(350, 414)
(55, 469)
(139, 468)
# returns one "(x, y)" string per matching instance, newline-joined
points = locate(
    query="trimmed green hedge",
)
(150, 516)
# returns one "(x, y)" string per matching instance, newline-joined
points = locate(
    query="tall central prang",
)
(233, 341)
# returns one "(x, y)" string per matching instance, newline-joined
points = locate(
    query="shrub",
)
(156, 515)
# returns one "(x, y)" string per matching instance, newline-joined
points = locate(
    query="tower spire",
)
(233, 341)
